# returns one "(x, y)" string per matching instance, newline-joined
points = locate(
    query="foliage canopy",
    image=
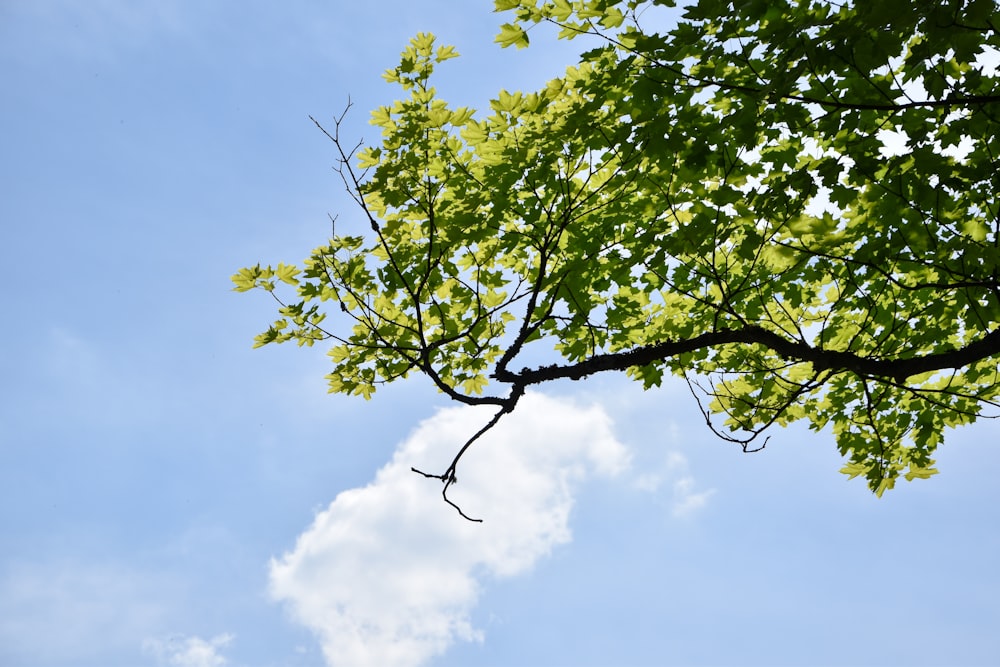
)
(791, 203)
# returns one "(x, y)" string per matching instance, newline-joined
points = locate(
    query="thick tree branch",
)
(897, 369)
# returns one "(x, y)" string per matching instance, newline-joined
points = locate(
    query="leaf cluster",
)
(791, 203)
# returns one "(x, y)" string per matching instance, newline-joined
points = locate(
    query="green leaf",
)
(287, 273)
(369, 157)
(976, 229)
(492, 299)
(512, 35)
(921, 473)
(446, 53)
(475, 385)
(245, 279)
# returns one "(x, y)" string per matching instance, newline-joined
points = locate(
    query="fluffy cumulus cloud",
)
(387, 574)
(189, 651)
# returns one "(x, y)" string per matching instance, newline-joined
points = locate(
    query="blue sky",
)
(169, 496)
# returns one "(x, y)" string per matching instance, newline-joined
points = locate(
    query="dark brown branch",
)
(706, 414)
(822, 360)
(834, 104)
(448, 476)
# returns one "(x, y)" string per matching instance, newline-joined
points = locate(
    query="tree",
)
(789, 203)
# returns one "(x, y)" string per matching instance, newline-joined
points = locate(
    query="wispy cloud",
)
(77, 612)
(687, 500)
(686, 497)
(189, 651)
(388, 574)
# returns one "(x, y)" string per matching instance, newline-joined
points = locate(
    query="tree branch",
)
(448, 476)
(822, 360)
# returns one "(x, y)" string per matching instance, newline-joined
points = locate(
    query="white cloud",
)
(74, 612)
(189, 651)
(387, 574)
(686, 501)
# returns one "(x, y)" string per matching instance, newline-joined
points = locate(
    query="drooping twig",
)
(448, 476)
